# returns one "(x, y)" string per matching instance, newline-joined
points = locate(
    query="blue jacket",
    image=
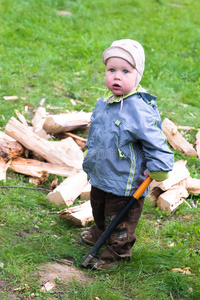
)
(124, 142)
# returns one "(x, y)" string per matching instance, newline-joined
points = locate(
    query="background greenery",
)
(47, 54)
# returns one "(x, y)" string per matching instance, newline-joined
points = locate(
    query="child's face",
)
(120, 76)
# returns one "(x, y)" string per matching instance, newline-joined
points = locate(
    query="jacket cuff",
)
(159, 176)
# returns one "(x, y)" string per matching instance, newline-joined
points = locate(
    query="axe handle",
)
(93, 251)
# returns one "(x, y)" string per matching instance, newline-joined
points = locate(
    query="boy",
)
(125, 144)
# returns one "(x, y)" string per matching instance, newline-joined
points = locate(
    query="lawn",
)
(52, 50)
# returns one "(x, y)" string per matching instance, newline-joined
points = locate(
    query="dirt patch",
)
(52, 273)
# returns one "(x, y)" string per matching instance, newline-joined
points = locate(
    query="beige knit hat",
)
(130, 50)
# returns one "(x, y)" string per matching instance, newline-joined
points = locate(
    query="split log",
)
(66, 122)
(79, 140)
(192, 185)
(79, 215)
(176, 140)
(171, 199)
(21, 118)
(10, 149)
(197, 144)
(72, 150)
(68, 190)
(32, 141)
(35, 168)
(3, 168)
(85, 194)
(38, 122)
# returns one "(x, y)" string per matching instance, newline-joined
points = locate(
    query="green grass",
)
(44, 54)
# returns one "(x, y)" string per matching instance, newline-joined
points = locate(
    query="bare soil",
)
(48, 277)
(56, 272)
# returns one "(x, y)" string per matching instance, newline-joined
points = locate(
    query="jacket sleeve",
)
(154, 144)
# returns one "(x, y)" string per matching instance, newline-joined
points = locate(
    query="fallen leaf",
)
(187, 217)
(185, 270)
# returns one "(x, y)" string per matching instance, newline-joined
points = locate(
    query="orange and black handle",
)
(115, 222)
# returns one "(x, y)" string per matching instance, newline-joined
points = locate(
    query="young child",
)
(125, 144)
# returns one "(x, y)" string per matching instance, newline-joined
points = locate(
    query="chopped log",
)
(68, 190)
(178, 173)
(72, 150)
(171, 199)
(38, 122)
(79, 215)
(176, 140)
(79, 140)
(10, 149)
(38, 169)
(66, 122)
(85, 194)
(3, 168)
(32, 141)
(193, 185)
(197, 144)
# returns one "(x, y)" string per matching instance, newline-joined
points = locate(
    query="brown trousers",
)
(105, 207)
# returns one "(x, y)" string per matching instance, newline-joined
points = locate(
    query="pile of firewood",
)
(170, 193)
(49, 147)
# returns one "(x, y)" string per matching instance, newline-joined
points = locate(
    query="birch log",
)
(32, 141)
